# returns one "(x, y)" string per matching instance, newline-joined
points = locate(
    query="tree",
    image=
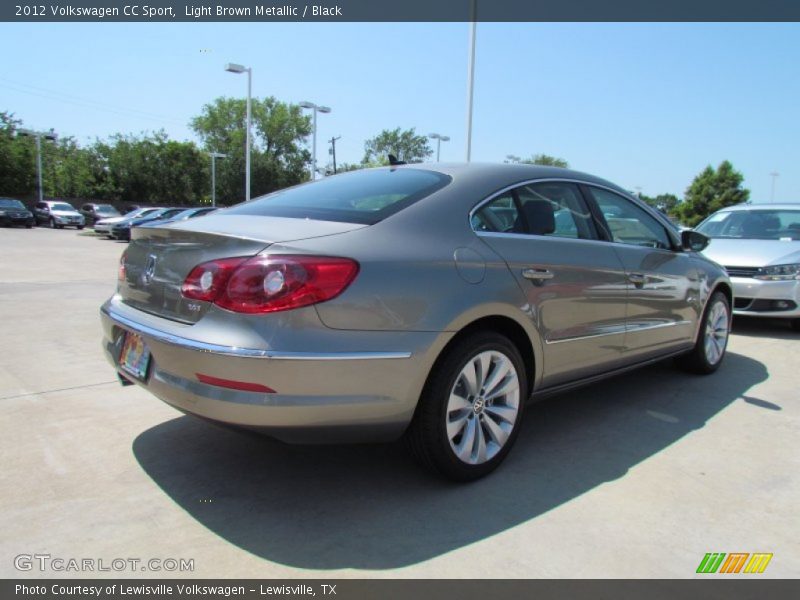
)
(17, 159)
(405, 144)
(710, 191)
(546, 160)
(276, 160)
(666, 203)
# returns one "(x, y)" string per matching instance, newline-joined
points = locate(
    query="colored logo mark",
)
(735, 562)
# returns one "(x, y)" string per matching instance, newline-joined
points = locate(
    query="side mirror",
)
(693, 241)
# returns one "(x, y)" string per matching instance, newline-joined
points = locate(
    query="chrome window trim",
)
(175, 340)
(653, 213)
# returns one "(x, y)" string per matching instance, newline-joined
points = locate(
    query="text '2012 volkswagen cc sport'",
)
(421, 300)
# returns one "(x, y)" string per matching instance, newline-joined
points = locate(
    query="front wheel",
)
(471, 408)
(709, 350)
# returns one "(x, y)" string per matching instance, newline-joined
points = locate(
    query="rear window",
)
(364, 197)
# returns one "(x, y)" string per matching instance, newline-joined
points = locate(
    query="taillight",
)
(121, 270)
(269, 283)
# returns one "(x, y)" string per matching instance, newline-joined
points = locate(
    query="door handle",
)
(537, 275)
(637, 279)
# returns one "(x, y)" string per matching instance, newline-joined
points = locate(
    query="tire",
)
(28, 225)
(796, 324)
(52, 223)
(80, 226)
(709, 350)
(459, 431)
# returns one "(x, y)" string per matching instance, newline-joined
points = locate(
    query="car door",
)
(575, 284)
(663, 283)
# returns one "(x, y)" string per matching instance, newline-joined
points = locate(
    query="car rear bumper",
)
(319, 397)
(774, 299)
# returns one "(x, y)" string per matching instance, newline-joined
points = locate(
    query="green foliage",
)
(151, 169)
(17, 159)
(405, 144)
(277, 159)
(546, 160)
(710, 191)
(666, 203)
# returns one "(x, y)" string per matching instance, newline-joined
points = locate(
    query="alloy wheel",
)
(483, 406)
(717, 323)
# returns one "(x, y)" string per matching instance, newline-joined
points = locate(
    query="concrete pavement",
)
(638, 476)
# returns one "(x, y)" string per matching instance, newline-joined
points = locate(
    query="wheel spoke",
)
(482, 366)
(470, 378)
(458, 402)
(457, 424)
(503, 413)
(464, 448)
(495, 431)
(507, 387)
(480, 443)
(501, 370)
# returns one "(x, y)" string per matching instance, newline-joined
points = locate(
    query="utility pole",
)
(333, 151)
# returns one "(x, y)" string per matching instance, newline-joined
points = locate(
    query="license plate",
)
(135, 356)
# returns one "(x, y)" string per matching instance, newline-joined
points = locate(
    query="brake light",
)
(267, 283)
(121, 270)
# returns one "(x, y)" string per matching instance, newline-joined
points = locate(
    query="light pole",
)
(234, 68)
(214, 156)
(774, 176)
(316, 108)
(439, 139)
(38, 135)
(471, 76)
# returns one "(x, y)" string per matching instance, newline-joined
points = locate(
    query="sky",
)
(647, 106)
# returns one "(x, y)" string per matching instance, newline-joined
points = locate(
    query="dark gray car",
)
(428, 301)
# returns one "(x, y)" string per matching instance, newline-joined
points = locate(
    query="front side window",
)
(628, 223)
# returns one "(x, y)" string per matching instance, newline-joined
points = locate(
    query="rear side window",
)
(549, 208)
(365, 197)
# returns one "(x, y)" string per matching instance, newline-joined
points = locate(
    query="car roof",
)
(499, 175)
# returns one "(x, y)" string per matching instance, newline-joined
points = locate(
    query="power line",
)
(84, 102)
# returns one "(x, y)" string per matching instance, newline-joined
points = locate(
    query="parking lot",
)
(638, 476)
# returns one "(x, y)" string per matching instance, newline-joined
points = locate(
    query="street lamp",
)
(439, 139)
(316, 108)
(38, 135)
(214, 156)
(239, 69)
(471, 74)
(774, 176)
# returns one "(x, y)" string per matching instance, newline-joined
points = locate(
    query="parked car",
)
(422, 300)
(122, 229)
(759, 246)
(93, 212)
(103, 227)
(188, 213)
(13, 212)
(57, 214)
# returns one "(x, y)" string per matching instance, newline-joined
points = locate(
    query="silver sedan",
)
(423, 301)
(759, 245)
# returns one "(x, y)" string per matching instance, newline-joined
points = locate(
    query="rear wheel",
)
(470, 411)
(709, 350)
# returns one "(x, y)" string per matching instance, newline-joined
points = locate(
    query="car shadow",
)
(371, 507)
(780, 329)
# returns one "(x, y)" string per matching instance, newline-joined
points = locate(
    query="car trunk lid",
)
(158, 259)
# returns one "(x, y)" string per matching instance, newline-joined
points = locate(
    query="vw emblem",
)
(149, 269)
